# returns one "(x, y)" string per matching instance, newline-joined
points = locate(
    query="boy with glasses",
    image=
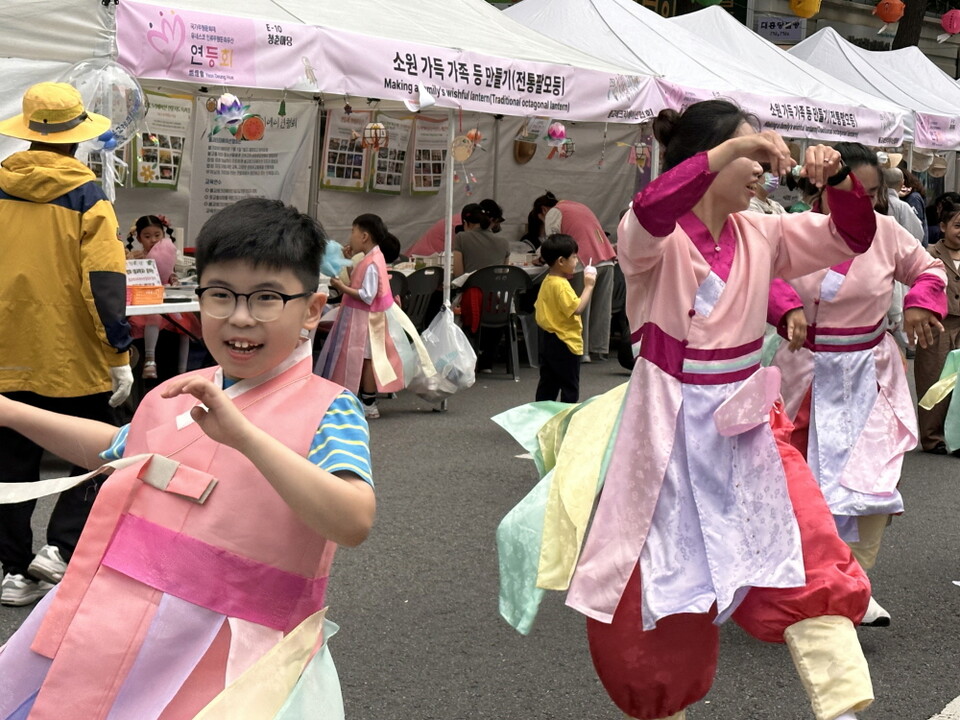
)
(211, 543)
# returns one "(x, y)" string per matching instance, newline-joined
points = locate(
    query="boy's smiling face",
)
(245, 347)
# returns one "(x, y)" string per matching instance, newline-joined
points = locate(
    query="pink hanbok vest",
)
(219, 537)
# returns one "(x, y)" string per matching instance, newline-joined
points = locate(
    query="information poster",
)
(429, 155)
(159, 150)
(344, 157)
(261, 158)
(390, 162)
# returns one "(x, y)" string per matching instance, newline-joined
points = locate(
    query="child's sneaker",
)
(18, 590)
(371, 411)
(149, 370)
(48, 564)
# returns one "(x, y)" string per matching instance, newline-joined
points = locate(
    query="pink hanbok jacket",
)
(862, 416)
(180, 589)
(697, 311)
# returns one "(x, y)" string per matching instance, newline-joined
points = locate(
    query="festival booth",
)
(936, 113)
(786, 99)
(296, 68)
(725, 33)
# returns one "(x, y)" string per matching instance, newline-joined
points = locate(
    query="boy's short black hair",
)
(265, 233)
(557, 246)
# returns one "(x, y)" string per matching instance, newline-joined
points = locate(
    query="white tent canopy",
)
(724, 32)
(936, 116)
(48, 36)
(625, 33)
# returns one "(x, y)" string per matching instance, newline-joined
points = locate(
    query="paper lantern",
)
(890, 11)
(950, 22)
(805, 8)
(568, 148)
(556, 134)
(375, 136)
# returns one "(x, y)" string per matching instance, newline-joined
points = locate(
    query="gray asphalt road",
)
(417, 603)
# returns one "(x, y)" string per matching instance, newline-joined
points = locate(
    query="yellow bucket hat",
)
(53, 113)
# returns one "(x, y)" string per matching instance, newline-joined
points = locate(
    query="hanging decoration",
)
(640, 153)
(375, 136)
(556, 134)
(890, 11)
(950, 22)
(461, 148)
(805, 8)
(109, 89)
(603, 148)
(567, 149)
(423, 100)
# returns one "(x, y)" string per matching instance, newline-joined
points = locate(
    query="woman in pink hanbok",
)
(706, 512)
(846, 390)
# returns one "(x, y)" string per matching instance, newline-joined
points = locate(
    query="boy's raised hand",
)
(222, 421)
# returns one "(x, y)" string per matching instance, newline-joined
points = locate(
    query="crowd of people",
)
(730, 489)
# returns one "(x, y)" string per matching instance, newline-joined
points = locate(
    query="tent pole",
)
(497, 120)
(448, 229)
(313, 208)
(654, 159)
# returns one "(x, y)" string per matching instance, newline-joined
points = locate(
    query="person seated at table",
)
(431, 242)
(155, 236)
(477, 246)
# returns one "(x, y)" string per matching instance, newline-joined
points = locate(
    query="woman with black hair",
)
(705, 512)
(846, 390)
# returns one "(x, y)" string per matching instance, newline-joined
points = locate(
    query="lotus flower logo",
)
(235, 117)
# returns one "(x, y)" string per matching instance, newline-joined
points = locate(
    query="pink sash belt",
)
(697, 366)
(211, 576)
(826, 339)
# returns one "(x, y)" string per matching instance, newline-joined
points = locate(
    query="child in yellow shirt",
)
(558, 311)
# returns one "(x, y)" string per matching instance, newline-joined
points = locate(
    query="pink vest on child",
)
(219, 537)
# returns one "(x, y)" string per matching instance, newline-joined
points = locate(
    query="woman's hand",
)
(820, 162)
(796, 329)
(766, 148)
(919, 325)
(221, 420)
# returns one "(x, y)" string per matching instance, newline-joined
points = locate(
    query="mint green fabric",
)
(519, 537)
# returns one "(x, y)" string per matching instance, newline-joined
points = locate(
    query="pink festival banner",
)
(164, 43)
(936, 132)
(160, 42)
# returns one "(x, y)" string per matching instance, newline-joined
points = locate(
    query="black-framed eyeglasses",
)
(263, 305)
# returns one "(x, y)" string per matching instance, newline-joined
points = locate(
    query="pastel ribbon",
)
(262, 691)
(577, 480)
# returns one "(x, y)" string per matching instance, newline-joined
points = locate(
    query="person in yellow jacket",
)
(63, 331)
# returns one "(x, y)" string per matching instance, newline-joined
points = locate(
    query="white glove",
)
(122, 379)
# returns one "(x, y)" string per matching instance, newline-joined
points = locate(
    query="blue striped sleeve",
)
(342, 442)
(119, 444)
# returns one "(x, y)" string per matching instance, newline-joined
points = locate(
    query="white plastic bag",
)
(452, 356)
